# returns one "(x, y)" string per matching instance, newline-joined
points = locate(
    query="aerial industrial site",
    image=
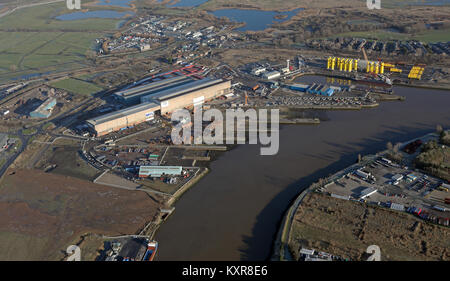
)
(357, 100)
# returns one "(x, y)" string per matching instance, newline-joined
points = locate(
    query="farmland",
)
(32, 40)
(76, 86)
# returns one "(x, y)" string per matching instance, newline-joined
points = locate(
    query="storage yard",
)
(386, 184)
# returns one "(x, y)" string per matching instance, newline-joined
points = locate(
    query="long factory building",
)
(162, 98)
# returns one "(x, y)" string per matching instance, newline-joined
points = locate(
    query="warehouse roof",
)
(45, 107)
(183, 89)
(163, 84)
(367, 192)
(156, 171)
(123, 113)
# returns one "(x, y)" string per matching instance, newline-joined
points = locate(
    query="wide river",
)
(234, 212)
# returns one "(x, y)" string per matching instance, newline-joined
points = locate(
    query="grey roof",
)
(122, 113)
(45, 106)
(154, 86)
(366, 192)
(159, 170)
(189, 87)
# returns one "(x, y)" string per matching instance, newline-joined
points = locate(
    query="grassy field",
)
(32, 40)
(43, 18)
(279, 4)
(429, 36)
(30, 131)
(64, 153)
(347, 228)
(44, 213)
(77, 86)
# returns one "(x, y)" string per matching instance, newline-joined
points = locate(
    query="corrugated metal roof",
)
(159, 170)
(127, 93)
(366, 192)
(44, 110)
(179, 90)
(124, 112)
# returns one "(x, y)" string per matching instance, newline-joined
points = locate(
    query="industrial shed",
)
(45, 109)
(157, 171)
(123, 119)
(133, 95)
(191, 94)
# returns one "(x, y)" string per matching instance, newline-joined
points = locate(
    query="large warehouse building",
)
(165, 96)
(122, 119)
(188, 95)
(133, 95)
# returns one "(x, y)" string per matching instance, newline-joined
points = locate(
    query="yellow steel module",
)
(372, 67)
(333, 63)
(377, 68)
(356, 65)
(368, 66)
(328, 63)
(382, 68)
(341, 65)
(350, 66)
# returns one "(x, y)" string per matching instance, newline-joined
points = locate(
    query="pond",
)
(255, 20)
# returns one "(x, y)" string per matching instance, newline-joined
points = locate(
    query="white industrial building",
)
(271, 75)
(367, 192)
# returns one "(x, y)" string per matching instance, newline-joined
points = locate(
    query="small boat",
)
(152, 248)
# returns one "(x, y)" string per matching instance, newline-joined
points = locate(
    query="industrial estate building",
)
(190, 94)
(271, 75)
(157, 171)
(122, 119)
(317, 89)
(163, 94)
(45, 109)
(133, 95)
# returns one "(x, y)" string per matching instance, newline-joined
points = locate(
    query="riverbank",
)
(281, 244)
(218, 221)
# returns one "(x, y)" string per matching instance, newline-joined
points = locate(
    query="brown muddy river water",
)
(234, 212)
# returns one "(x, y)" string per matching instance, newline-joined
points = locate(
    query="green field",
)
(77, 86)
(43, 18)
(428, 36)
(33, 41)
